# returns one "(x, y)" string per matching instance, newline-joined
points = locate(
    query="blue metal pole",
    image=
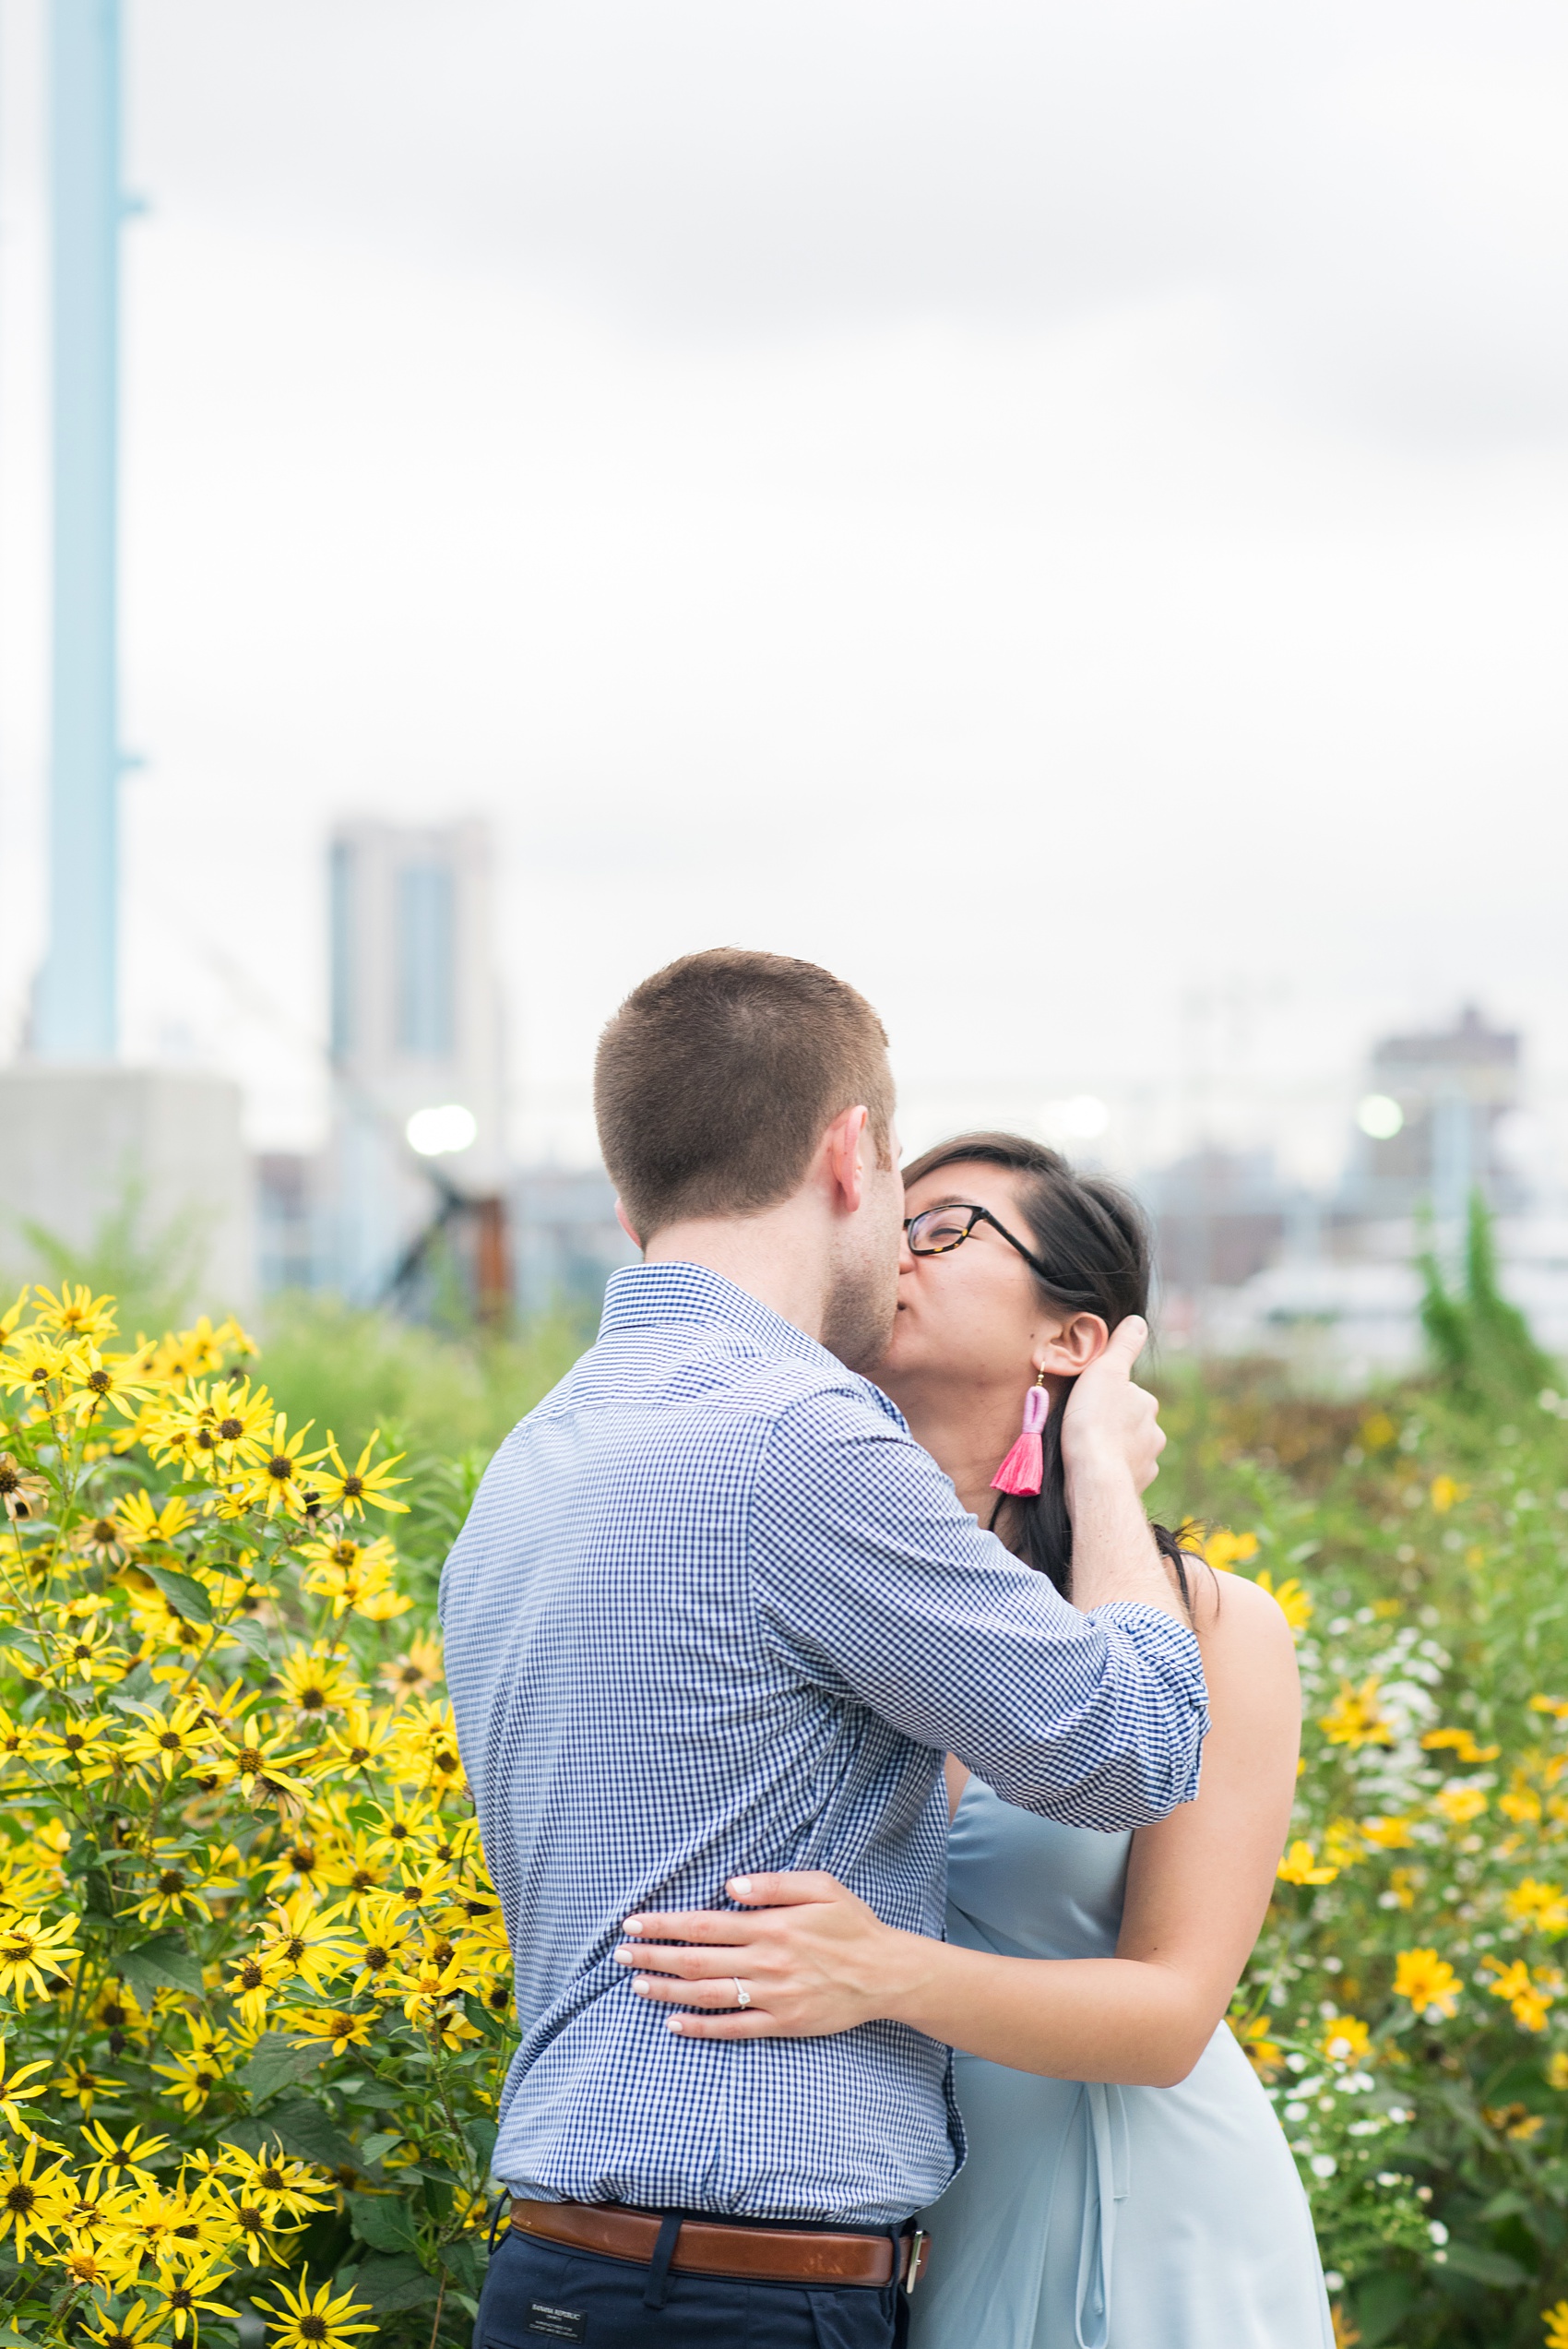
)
(77, 1000)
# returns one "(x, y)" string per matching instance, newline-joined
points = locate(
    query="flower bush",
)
(254, 1985)
(1407, 2001)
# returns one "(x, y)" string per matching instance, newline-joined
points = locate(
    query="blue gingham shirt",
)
(714, 1610)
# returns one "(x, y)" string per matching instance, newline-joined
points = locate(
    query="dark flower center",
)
(281, 1467)
(173, 1880)
(231, 1428)
(353, 1487)
(171, 1740)
(100, 1381)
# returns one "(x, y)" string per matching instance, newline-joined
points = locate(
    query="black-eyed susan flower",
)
(13, 2092)
(23, 1495)
(358, 1743)
(416, 1672)
(33, 2201)
(278, 2186)
(97, 1382)
(81, 2085)
(28, 1944)
(75, 1312)
(305, 1937)
(279, 1480)
(169, 1741)
(37, 1365)
(314, 1681)
(122, 2161)
(148, 1524)
(184, 1884)
(252, 1982)
(264, 1764)
(337, 2025)
(183, 2294)
(132, 2328)
(195, 2072)
(348, 1490)
(316, 2321)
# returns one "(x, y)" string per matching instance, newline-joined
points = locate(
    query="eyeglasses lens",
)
(939, 1228)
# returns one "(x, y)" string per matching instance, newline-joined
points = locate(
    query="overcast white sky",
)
(1055, 511)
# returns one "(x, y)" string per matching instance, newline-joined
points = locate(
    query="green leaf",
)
(481, 2133)
(306, 2130)
(162, 1963)
(249, 1635)
(185, 1596)
(387, 2284)
(382, 2142)
(276, 2064)
(1485, 2267)
(137, 1687)
(382, 2221)
(460, 2260)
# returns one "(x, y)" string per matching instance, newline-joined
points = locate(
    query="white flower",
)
(1437, 2231)
(1324, 2165)
(1334, 2280)
(1296, 2111)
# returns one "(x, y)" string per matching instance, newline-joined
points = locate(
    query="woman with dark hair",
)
(1127, 2184)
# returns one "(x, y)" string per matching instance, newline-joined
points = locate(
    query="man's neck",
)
(777, 1256)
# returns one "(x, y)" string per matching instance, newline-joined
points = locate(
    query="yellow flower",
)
(278, 2187)
(26, 1945)
(80, 2084)
(31, 2203)
(89, 1652)
(427, 1747)
(1345, 2040)
(1225, 1551)
(179, 1888)
(133, 2328)
(1355, 1720)
(1428, 1981)
(251, 1983)
(333, 2023)
(1556, 1706)
(168, 1742)
(1529, 2000)
(1461, 1744)
(315, 2321)
(98, 1379)
(1378, 1431)
(1460, 1802)
(1295, 1603)
(1557, 2069)
(184, 2292)
(349, 1488)
(1300, 1867)
(305, 1938)
(194, 2074)
(12, 2093)
(258, 1762)
(34, 1363)
(1538, 1906)
(359, 1744)
(1389, 1834)
(1263, 2053)
(356, 1575)
(85, 1746)
(279, 1481)
(1445, 1492)
(144, 1524)
(1557, 2325)
(314, 1681)
(419, 1671)
(121, 2161)
(23, 1495)
(75, 1313)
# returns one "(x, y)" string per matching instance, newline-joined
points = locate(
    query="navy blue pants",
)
(537, 2291)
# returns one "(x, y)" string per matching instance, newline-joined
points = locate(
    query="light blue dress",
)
(1091, 2217)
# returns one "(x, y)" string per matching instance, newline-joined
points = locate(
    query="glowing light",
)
(1381, 1116)
(435, 1133)
(1084, 1118)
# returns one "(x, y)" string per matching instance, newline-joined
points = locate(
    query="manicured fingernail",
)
(741, 1886)
(674, 2023)
(634, 1925)
(642, 1986)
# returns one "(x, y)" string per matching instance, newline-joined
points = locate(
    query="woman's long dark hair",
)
(1094, 1244)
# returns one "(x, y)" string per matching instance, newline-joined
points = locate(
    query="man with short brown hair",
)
(715, 1612)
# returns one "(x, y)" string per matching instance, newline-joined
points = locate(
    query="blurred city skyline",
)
(1057, 517)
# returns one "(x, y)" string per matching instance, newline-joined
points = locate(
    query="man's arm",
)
(1111, 1440)
(878, 1585)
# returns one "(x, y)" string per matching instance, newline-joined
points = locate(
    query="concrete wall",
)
(74, 1142)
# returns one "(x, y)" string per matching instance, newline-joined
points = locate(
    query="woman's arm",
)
(815, 1960)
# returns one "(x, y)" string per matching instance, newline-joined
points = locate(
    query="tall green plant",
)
(1480, 1344)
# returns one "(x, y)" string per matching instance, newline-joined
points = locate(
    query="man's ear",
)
(845, 1145)
(621, 1219)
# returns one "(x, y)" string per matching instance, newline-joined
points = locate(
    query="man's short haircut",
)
(719, 1075)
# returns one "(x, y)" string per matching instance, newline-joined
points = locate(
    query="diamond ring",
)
(742, 1996)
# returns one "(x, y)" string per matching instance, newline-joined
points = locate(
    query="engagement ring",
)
(742, 1996)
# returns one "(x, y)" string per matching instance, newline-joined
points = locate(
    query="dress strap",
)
(1107, 2167)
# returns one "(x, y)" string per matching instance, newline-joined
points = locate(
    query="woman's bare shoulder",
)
(1236, 1621)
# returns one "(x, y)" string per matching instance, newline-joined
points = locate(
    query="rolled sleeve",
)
(878, 1584)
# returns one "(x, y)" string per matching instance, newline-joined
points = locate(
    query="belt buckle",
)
(919, 2242)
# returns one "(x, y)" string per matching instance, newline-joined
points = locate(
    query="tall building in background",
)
(1443, 1095)
(418, 1138)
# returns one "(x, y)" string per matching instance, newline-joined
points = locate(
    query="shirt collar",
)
(645, 1295)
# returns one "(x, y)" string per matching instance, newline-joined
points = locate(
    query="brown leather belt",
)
(710, 2247)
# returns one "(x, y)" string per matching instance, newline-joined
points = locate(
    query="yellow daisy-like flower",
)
(261, 1763)
(181, 1888)
(358, 1743)
(80, 2084)
(86, 1746)
(23, 1495)
(31, 2202)
(1389, 1834)
(1529, 1997)
(100, 1539)
(273, 2183)
(19, 1741)
(144, 1524)
(335, 2024)
(307, 1940)
(1292, 1599)
(1355, 1718)
(96, 1382)
(280, 1479)
(314, 1681)
(121, 2161)
(356, 1575)
(1461, 1801)
(252, 1982)
(1300, 1867)
(89, 1652)
(416, 1672)
(317, 2320)
(85, 2268)
(1556, 2325)
(348, 1489)
(1346, 2039)
(134, 2329)
(13, 2094)
(1225, 1551)
(1461, 1744)
(194, 2074)
(35, 1362)
(1537, 1904)
(26, 1945)
(75, 1312)
(169, 1741)
(1428, 1981)
(183, 2293)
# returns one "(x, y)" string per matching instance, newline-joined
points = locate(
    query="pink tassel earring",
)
(1023, 1471)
